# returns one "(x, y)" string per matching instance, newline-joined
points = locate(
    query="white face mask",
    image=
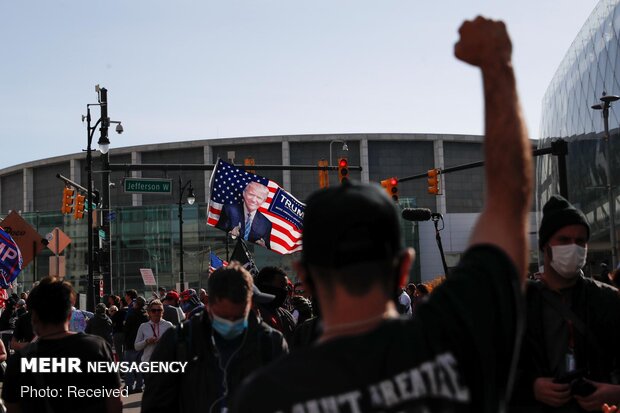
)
(568, 260)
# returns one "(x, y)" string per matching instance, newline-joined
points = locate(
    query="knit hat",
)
(559, 213)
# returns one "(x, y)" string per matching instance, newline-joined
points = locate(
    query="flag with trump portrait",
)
(11, 260)
(255, 209)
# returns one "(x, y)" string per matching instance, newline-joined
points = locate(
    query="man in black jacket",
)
(135, 317)
(569, 360)
(222, 346)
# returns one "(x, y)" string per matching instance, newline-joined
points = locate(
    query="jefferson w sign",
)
(147, 186)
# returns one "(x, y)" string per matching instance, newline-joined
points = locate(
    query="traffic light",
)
(343, 170)
(249, 161)
(391, 187)
(323, 174)
(79, 206)
(67, 200)
(433, 181)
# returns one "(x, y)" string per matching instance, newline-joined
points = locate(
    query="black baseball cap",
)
(350, 224)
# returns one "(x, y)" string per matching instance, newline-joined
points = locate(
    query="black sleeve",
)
(11, 384)
(20, 329)
(479, 310)
(161, 390)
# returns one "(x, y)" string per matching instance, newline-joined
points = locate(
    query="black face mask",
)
(280, 294)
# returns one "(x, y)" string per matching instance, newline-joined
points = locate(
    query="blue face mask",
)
(229, 329)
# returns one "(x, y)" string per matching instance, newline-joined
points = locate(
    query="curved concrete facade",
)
(145, 227)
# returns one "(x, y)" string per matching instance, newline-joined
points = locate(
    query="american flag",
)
(282, 209)
(216, 262)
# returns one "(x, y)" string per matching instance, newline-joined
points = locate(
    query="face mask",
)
(229, 329)
(568, 260)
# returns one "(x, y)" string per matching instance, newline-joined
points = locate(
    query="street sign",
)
(26, 238)
(100, 288)
(58, 240)
(101, 234)
(147, 186)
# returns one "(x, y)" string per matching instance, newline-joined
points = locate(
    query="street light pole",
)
(90, 303)
(191, 198)
(93, 199)
(607, 100)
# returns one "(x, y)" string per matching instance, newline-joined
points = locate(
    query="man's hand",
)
(483, 43)
(550, 393)
(235, 231)
(604, 393)
(260, 242)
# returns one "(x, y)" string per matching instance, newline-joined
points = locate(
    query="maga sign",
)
(10, 259)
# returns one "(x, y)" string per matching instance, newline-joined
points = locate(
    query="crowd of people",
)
(352, 335)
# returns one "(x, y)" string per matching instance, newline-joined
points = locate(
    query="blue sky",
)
(184, 70)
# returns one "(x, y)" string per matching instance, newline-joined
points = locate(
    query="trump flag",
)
(255, 209)
(10, 259)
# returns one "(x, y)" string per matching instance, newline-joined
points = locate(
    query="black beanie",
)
(558, 213)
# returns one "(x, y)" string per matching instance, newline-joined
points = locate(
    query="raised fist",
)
(483, 43)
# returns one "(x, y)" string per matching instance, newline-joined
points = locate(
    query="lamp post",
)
(93, 196)
(191, 198)
(345, 147)
(607, 100)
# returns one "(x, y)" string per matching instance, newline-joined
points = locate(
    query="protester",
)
(273, 280)
(118, 329)
(150, 332)
(457, 354)
(23, 333)
(569, 355)
(403, 303)
(100, 325)
(50, 303)
(190, 303)
(130, 299)
(223, 345)
(79, 318)
(135, 318)
(204, 297)
(172, 312)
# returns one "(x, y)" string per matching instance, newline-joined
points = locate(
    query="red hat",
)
(172, 295)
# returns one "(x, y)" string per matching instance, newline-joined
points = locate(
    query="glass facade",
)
(587, 72)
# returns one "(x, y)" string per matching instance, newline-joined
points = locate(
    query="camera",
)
(579, 386)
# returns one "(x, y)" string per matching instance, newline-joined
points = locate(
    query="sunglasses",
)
(156, 310)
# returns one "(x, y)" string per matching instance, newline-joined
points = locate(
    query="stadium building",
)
(145, 227)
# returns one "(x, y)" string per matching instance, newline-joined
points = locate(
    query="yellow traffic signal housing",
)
(433, 181)
(391, 187)
(67, 200)
(343, 170)
(323, 174)
(79, 206)
(249, 161)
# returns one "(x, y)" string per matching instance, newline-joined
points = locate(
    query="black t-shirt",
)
(23, 328)
(455, 356)
(20, 387)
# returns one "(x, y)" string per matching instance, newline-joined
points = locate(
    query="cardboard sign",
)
(147, 276)
(27, 239)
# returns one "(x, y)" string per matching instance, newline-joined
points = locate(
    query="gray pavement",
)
(132, 403)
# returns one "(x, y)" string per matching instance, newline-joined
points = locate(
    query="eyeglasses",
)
(156, 310)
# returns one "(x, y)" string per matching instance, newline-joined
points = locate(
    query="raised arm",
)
(508, 160)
